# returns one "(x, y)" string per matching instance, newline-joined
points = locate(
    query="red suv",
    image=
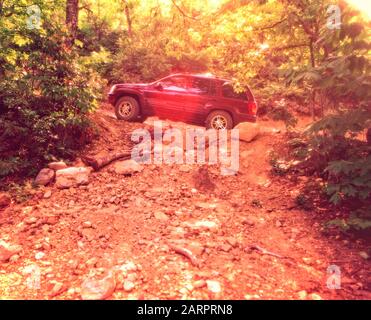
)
(191, 98)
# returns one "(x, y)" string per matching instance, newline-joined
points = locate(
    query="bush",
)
(281, 112)
(45, 96)
(336, 148)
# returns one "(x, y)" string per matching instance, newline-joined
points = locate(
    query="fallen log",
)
(100, 162)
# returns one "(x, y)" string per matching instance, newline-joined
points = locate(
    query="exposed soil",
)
(157, 236)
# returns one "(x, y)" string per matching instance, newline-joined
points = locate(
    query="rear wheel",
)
(219, 120)
(127, 108)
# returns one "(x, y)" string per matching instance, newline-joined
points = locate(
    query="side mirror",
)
(159, 86)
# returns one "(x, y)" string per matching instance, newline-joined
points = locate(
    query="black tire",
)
(127, 108)
(219, 120)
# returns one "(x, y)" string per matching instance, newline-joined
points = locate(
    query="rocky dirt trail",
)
(157, 234)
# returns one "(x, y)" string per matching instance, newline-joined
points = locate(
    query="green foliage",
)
(294, 99)
(20, 192)
(304, 201)
(352, 223)
(281, 112)
(341, 70)
(279, 167)
(298, 148)
(335, 148)
(349, 180)
(44, 96)
(11, 166)
(137, 63)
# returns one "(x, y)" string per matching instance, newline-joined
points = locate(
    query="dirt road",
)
(154, 235)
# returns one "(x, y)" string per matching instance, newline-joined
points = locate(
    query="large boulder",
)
(248, 131)
(57, 165)
(5, 200)
(127, 167)
(72, 177)
(44, 177)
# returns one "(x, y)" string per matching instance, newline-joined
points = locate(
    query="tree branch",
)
(306, 28)
(182, 12)
(85, 7)
(273, 25)
(293, 46)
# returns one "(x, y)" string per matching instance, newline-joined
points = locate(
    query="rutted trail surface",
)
(155, 235)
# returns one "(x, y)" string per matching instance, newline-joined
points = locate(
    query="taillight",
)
(252, 107)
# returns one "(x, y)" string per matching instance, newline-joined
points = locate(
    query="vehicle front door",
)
(166, 97)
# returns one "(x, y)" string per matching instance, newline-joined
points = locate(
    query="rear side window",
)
(212, 88)
(202, 86)
(229, 92)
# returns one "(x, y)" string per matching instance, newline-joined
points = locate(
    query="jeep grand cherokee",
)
(191, 98)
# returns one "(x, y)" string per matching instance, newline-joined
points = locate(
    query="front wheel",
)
(219, 120)
(127, 108)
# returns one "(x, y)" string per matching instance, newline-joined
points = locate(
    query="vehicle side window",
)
(212, 89)
(229, 92)
(177, 83)
(200, 86)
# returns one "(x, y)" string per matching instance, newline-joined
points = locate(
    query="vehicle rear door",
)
(200, 99)
(233, 102)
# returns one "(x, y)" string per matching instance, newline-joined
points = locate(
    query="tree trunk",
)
(72, 19)
(313, 63)
(128, 19)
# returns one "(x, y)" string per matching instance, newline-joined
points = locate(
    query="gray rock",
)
(57, 289)
(127, 167)
(92, 289)
(161, 216)
(315, 296)
(199, 284)
(57, 165)
(8, 250)
(72, 177)
(87, 224)
(47, 194)
(44, 177)
(302, 295)
(213, 286)
(128, 285)
(39, 255)
(248, 131)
